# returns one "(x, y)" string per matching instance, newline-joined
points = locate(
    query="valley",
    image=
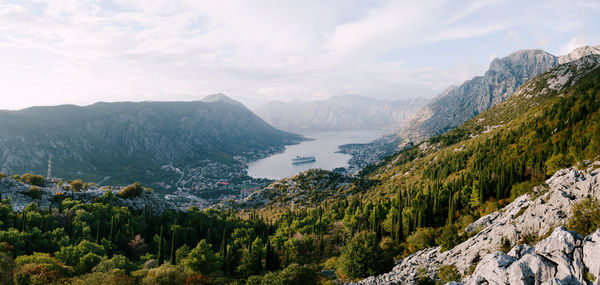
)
(506, 191)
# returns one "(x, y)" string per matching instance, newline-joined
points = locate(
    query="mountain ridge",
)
(348, 112)
(104, 139)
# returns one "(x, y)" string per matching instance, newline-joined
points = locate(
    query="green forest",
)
(420, 197)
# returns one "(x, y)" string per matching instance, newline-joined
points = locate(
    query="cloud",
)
(83, 51)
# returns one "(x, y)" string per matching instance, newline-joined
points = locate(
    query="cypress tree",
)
(159, 255)
(172, 257)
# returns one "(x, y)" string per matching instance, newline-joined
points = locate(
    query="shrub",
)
(103, 278)
(519, 189)
(557, 162)
(34, 192)
(2, 175)
(33, 179)
(166, 274)
(7, 266)
(58, 197)
(448, 273)
(420, 239)
(528, 238)
(293, 275)
(449, 237)
(198, 279)
(131, 191)
(585, 217)
(39, 268)
(362, 257)
(505, 245)
(423, 278)
(76, 185)
(202, 259)
(36, 274)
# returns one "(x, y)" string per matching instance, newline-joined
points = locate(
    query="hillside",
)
(118, 143)
(525, 242)
(446, 182)
(441, 208)
(457, 104)
(350, 112)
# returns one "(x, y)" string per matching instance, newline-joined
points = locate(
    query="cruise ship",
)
(303, 159)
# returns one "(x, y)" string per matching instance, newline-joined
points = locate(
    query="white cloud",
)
(56, 52)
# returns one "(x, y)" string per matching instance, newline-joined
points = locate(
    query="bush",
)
(362, 257)
(34, 192)
(166, 274)
(2, 175)
(519, 189)
(131, 191)
(421, 239)
(448, 273)
(39, 268)
(585, 218)
(558, 162)
(33, 179)
(76, 185)
(202, 259)
(198, 279)
(102, 278)
(293, 275)
(7, 266)
(58, 197)
(505, 245)
(448, 238)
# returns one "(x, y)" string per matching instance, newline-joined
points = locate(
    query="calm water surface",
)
(323, 147)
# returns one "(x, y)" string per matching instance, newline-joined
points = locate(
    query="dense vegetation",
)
(420, 197)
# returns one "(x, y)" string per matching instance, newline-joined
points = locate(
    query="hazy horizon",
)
(82, 52)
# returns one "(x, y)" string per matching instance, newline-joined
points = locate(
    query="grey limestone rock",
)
(560, 258)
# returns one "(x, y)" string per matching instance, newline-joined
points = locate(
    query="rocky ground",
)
(17, 192)
(559, 258)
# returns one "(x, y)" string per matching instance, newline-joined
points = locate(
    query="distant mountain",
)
(147, 141)
(457, 104)
(579, 53)
(348, 112)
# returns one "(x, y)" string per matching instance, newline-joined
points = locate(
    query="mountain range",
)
(338, 113)
(124, 142)
(457, 104)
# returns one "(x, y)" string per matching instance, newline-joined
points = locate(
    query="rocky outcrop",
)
(579, 53)
(17, 192)
(559, 258)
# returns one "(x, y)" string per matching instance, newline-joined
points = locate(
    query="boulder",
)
(530, 269)
(591, 255)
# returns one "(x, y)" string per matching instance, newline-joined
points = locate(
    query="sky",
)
(79, 51)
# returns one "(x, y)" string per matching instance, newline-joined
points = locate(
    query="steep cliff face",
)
(560, 257)
(456, 105)
(132, 141)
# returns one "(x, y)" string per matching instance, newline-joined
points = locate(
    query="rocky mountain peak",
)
(219, 97)
(523, 62)
(579, 53)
